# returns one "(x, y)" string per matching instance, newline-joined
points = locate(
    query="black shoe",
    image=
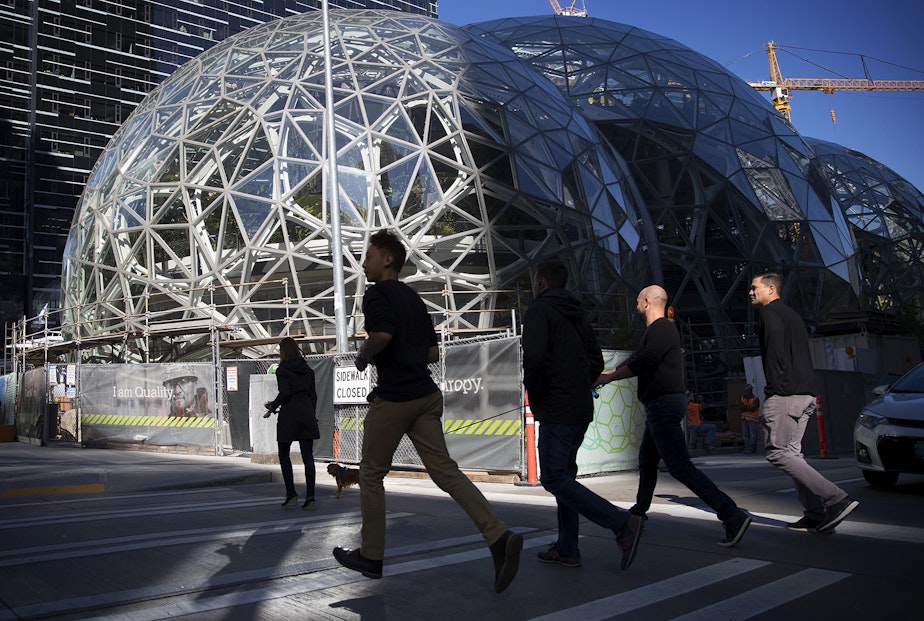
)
(308, 504)
(290, 501)
(628, 538)
(352, 559)
(506, 555)
(835, 514)
(735, 528)
(552, 556)
(804, 525)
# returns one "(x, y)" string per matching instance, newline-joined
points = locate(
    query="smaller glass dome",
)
(886, 215)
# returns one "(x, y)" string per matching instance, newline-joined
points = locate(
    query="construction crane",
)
(780, 87)
(571, 11)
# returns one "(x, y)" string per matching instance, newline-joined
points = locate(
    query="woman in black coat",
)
(296, 403)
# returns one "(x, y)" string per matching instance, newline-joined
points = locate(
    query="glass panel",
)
(260, 184)
(251, 212)
(355, 194)
(309, 197)
(529, 182)
(424, 191)
(293, 172)
(396, 182)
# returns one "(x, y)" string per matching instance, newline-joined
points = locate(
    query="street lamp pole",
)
(333, 192)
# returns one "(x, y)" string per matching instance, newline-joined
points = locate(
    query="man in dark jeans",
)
(401, 342)
(561, 360)
(657, 363)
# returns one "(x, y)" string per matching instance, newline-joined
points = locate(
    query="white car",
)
(889, 433)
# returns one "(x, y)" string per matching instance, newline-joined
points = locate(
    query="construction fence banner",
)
(152, 404)
(483, 404)
(613, 438)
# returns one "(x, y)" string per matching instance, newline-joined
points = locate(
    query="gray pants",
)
(785, 419)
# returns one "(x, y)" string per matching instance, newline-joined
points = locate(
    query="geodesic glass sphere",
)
(729, 185)
(207, 205)
(886, 214)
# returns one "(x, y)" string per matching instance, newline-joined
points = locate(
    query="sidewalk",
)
(68, 468)
(30, 470)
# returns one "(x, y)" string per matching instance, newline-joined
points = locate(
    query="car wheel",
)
(880, 479)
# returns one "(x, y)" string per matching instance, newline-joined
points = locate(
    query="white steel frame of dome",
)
(209, 197)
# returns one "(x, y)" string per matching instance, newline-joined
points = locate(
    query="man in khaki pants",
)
(401, 342)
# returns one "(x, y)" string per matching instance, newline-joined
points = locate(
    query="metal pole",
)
(333, 193)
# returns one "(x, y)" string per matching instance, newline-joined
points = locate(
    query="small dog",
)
(344, 476)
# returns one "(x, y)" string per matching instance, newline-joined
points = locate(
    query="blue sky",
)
(887, 126)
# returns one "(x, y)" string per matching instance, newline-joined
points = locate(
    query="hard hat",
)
(176, 372)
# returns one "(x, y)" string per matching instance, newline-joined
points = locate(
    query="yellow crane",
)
(780, 87)
(571, 11)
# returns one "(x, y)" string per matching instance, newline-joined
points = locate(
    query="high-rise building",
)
(71, 71)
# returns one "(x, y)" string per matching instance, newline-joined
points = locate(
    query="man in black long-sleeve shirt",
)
(789, 403)
(658, 364)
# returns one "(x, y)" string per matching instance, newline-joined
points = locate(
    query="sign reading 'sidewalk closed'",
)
(351, 385)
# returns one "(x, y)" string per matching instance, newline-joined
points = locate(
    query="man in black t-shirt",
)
(401, 342)
(658, 364)
(789, 404)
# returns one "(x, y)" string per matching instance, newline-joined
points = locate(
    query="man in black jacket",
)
(789, 403)
(561, 360)
(659, 366)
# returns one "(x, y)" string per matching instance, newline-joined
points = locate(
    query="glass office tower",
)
(72, 71)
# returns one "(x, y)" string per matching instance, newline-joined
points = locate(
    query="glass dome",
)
(886, 214)
(730, 186)
(208, 204)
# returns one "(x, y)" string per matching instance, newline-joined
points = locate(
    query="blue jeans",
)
(754, 436)
(707, 428)
(558, 447)
(664, 439)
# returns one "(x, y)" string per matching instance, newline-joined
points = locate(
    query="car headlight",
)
(870, 420)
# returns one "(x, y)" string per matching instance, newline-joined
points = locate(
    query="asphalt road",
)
(123, 535)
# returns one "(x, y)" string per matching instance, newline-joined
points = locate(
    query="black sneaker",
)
(628, 538)
(735, 528)
(291, 501)
(352, 559)
(552, 556)
(834, 515)
(804, 525)
(505, 552)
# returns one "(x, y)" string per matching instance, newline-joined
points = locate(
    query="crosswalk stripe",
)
(87, 516)
(767, 597)
(84, 549)
(609, 607)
